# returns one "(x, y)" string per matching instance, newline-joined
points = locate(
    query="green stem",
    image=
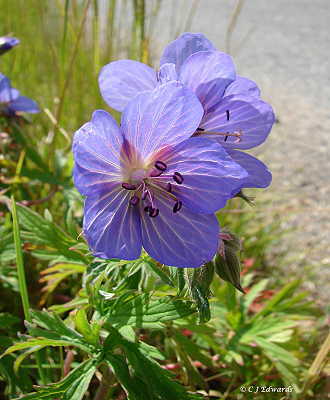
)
(20, 263)
(137, 45)
(22, 280)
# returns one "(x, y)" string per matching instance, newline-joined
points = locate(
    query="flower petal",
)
(183, 239)
(251, 116)
(209, 174)
(185, 45)
(7, 94)
(23, 104)
(6, 43)
(120, 81)
(258, 174)
(96, 149)
(167, 115)
(111, 226)
(167, 73)
(208, 73)
(242, 86)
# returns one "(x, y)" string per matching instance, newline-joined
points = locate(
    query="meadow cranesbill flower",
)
(149, 184)
(7, 43)
(11, 102)
(234, 114)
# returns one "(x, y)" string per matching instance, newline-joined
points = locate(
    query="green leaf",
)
(155, 382)
(89, 331)
(142, 311)
(50, 326)
(160, 272)
(253, 293)
(40, 231)
(72, 387)
(277, 353)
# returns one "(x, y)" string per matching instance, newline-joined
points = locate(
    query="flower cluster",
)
(11, 102)
(156, 181)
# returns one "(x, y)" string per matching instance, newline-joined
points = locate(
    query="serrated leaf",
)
(40, 231)
(142, 311)
(72, 387)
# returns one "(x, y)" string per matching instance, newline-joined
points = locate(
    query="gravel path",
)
(286, 50)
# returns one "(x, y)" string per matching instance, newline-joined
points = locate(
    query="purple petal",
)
(209, 174)
(183, 47)
(249, 115)
(111, 226)
(6, 43)
(208, 73)
(96, 149)
(120, 81)
(166, 116)
(242, 86)
(258, 174)
(7, 94)
(23, 104)
(167, 73)
(183, 239)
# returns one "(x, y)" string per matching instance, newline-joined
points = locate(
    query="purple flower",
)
(11, 102)
(234, 114)
(149, 184)
(7, 43)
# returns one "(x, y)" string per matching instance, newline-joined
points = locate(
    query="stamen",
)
(161, 166)
(227, 113)
(226, 137)
(144, 195)
(153, 212)
(178, 178)
(200, 129)
(128, 186)
(177, 206)
(236, 134)
(147, 209)
(134, 200)
(169, 187)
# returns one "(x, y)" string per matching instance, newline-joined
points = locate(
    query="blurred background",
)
(282, 45)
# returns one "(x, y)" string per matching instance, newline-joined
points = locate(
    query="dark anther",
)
(128, 186)
(169, 187)
(177, 206)
(134, 200)
(200, 129)
(226, 137)
(161, 166)
(227, 113)
(178, 178)
(153, 212)
(147, 209)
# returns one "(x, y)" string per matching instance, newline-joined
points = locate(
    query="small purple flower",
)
(11, 102)
(149, 184)
(7, 43)
(234, 114)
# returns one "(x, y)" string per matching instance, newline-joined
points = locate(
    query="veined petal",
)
(251, 116)
(209, 174)
(120, 81)
(207, 74)
(167, 73)
(258, 174)
(242, 86)
(96, 149)
(111, 226)
(183, 239)
(185, 45)
(23, 104)
(166, 116)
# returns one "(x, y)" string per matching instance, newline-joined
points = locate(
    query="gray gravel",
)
(286, 46)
